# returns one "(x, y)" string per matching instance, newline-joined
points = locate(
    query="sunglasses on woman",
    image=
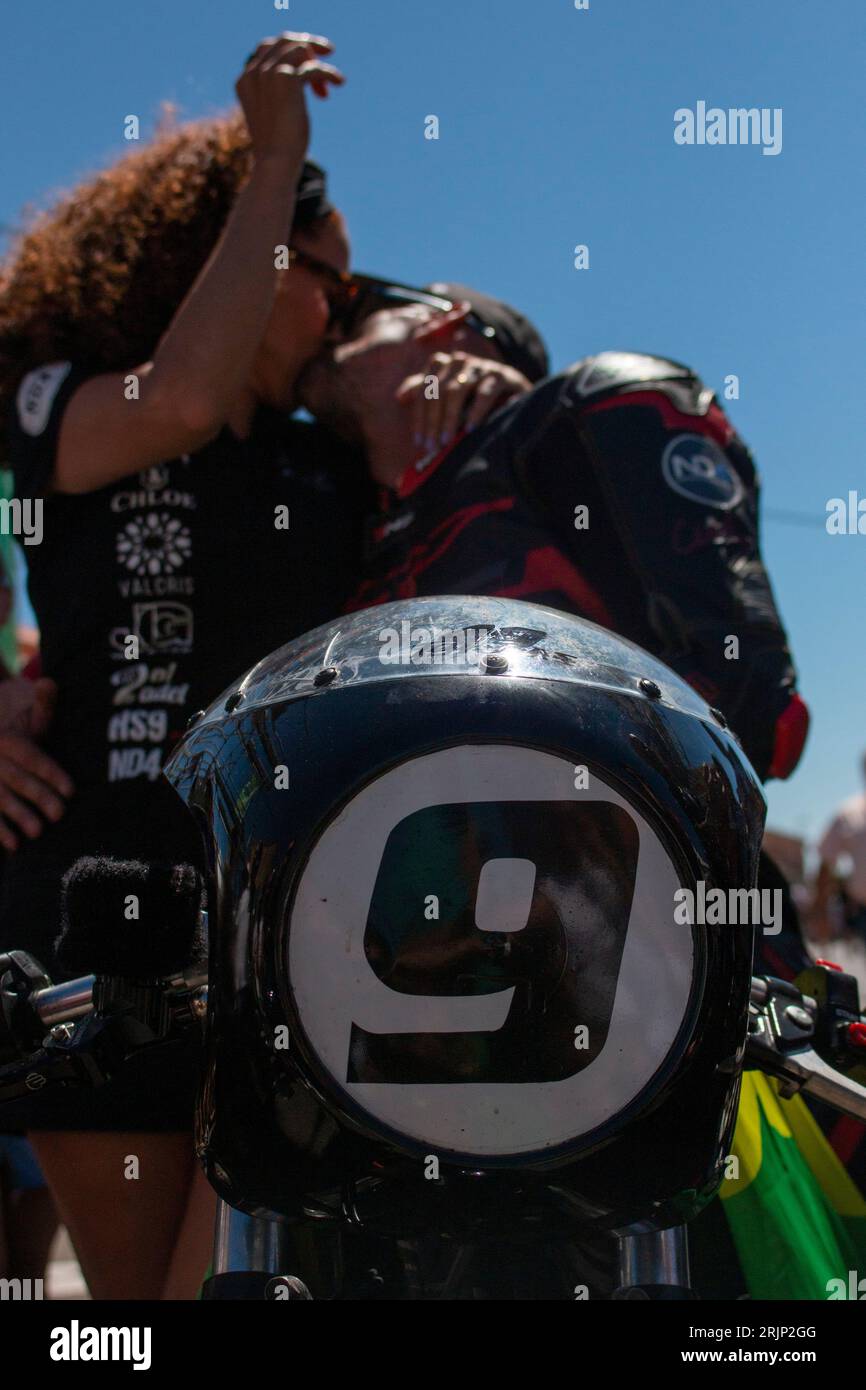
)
(339, 285)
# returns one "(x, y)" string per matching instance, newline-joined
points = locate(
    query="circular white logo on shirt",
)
(153, 544)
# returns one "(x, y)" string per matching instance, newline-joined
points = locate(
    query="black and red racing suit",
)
(619, 491)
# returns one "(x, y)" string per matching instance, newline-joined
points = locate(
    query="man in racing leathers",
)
(617, 490)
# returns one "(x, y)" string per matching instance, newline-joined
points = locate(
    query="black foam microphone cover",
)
(126, 917)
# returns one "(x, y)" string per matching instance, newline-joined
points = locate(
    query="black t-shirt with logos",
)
(156, 592)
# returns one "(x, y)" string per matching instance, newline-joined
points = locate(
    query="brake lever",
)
(86, 1054)
(81, 1033)
(784, 1026)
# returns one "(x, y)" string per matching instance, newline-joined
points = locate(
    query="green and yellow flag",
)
(797, 1219)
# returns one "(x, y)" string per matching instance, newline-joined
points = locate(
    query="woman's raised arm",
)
(182, 398)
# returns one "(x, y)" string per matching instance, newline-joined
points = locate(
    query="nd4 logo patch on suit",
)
(696, 467)
(485, 958)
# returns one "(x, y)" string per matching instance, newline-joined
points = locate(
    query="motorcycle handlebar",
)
(785, 1026)
(66, 1002)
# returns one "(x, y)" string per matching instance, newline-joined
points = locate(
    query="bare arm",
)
(205, 357)
(820, 921)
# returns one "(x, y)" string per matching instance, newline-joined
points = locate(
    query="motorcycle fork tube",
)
(251, 1259)
(653, 1264)
(248, 1244)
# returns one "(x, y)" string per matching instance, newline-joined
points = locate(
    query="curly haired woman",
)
(150, 341)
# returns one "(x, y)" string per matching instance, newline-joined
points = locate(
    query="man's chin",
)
(315, 383)
(320, 390)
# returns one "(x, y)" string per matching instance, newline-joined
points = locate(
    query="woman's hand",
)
(33, 787)
(271, 93)
(470, 389)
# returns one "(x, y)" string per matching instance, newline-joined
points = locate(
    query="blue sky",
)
(556, 128)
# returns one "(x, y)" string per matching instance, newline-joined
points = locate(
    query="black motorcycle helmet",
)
(446, 838)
